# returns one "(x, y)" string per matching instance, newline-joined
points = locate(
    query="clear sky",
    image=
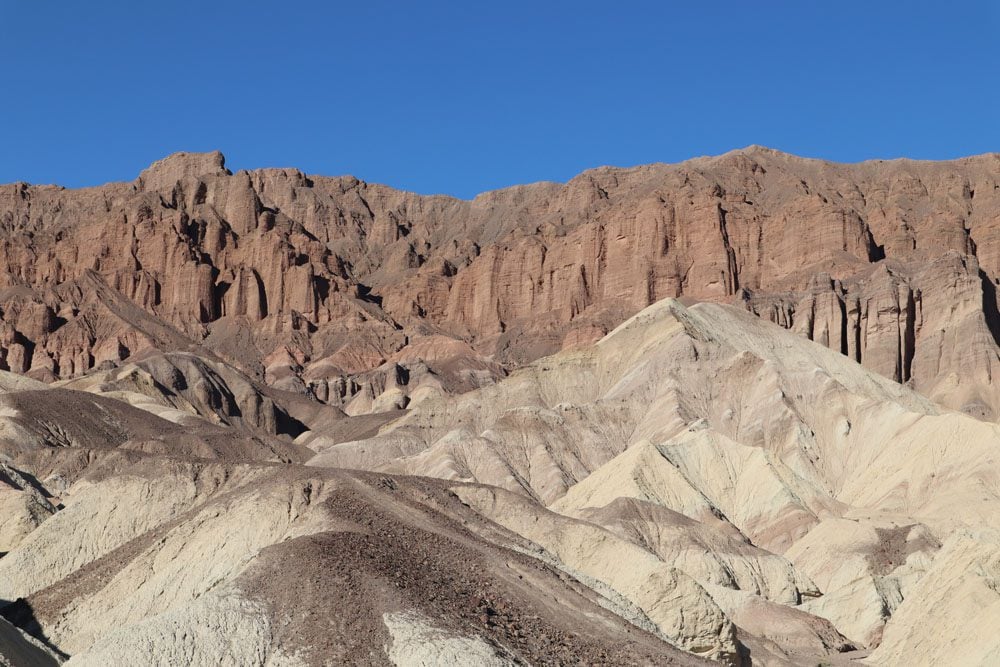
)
(465, 96)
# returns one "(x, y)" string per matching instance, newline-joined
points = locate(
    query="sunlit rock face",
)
(311, 283)
(739, 409)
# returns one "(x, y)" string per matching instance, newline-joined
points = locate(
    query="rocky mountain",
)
(746, 457)
(362, 296)
(700, 483)
(739, 409)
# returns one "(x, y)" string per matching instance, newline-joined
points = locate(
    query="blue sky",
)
(461, 97)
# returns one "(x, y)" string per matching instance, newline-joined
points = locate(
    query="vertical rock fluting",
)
(891, 263)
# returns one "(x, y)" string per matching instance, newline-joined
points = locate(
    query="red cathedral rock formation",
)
(501, 431)
(321, 285)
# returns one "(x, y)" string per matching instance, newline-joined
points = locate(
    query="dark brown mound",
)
(62, 418)
(393, 544)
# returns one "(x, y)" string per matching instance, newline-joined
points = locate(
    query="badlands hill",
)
(699, 484)
(365, 297)
(739, 409)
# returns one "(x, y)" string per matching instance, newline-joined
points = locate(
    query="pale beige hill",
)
(242, 565)
(698, 480)
(652, 378)
(949, 616)
(705, 475)
(94, 522)
(709, 553)
(748, 431)
(24, 504)
(865, 568)
(680, 608)
(807, 416)
(13, 382)
(552, 423)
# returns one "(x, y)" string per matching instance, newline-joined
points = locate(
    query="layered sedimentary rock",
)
(307, 282)
(545, 467)
(698, 484)
(247, 565)
(810, 498)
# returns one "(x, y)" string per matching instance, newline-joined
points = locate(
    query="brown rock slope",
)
(348, 290)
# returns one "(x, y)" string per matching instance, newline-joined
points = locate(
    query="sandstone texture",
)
(808, 497)
(700, 484)
(361, 296)
(738, 410)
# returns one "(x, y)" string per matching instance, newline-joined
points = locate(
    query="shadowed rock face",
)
(311, 284)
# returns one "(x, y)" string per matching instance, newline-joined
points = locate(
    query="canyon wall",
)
(309, 283)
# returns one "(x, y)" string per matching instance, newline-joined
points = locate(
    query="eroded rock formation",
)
(305, 282)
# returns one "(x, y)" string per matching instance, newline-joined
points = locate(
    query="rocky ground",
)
(270, 419)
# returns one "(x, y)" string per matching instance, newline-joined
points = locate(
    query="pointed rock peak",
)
(757, 148)
(757, 152)
(169, 170)
(651, 316)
